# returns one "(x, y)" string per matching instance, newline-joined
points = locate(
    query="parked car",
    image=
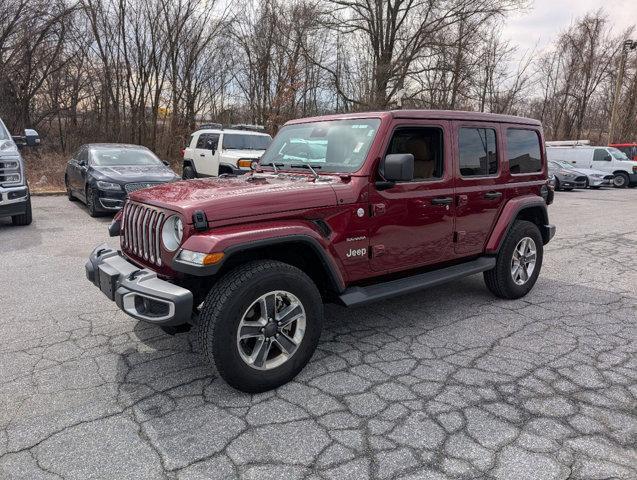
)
(212, 151)
(103, 174)
(594, 178)
(606, 159)
(566, 178)
(393, 206)
(15, 198)
(629, 149)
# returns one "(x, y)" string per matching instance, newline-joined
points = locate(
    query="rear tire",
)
(24, 219)
(188, 173)
(621, 180)
(239, 303)
(505, 281)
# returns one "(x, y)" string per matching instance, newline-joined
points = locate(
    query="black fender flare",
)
(332, 272)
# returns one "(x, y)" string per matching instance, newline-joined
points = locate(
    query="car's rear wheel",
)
(621, 180)
(188, 172)
(69, 192)
(91, 202)
(518, 262)
(24, 219)
(260, 324)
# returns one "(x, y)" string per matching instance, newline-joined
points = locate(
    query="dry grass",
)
(45, 171)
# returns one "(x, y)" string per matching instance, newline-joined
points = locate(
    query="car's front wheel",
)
(518, 262)
(260, 324)
(91, 202)
(188, 173)
(25, 218)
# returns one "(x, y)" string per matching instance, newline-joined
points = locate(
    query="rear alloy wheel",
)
(91, 202)
(621, 180)
(518, 262)
(69, 193)
(260, 324)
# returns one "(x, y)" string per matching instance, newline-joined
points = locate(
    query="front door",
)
(412, 222)
(479, 191)
(602, 160)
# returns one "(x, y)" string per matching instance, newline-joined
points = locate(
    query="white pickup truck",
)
(215, 151)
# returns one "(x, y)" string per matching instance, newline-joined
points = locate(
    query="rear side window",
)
(523, 151)
(208, 141)
(478, 152)
(237, 141)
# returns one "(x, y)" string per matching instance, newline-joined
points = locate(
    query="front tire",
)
(69, 192)
(91, 202)
(621, 180)
(518, 262)
(24, 219)
(260, 325)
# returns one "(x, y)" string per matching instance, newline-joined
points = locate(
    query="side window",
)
(212, 141)
(523, 151)
(425, 144)
(82, 155)
(601, 155)
(478, 152)
(189, 142)
(201, 140)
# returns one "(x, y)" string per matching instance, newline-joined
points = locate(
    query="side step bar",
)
(372, 293)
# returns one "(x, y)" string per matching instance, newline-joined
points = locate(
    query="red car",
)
(345, 208)
(630, 149)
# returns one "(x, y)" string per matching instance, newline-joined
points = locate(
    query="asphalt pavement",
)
(446, 383)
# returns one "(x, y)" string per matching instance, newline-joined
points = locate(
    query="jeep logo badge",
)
(359, 252)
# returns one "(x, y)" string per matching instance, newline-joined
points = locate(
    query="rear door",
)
(205, 151)
(411, 223)
(479, 190)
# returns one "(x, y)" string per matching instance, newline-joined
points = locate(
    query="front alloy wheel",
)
(271, 330)
(260, 324)
(523, 261)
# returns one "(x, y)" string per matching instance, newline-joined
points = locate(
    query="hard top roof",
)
(230, 130)
(428, 115)
(116, 145)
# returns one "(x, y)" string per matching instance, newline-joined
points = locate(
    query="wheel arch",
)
(531, 209)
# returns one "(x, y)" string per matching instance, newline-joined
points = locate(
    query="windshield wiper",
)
(307, 165)
(273, 165)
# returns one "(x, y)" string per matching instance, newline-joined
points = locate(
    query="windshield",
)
(564, 164)
(112, 157)
(4, 135)
(238, 141)
(619, 155)
(332, 146)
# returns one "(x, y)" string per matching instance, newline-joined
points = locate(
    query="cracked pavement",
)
(446, 383)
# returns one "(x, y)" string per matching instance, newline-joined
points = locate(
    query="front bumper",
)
(632, 178)
(136, 291)
(13, 200)
(600, 182)
(571, 184)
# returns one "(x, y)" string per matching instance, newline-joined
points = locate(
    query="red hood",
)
(248, 195)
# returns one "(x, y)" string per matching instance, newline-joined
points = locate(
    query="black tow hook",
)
(134, 274)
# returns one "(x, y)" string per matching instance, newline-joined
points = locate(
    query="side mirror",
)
(32, 138)
(165, 162)
(398, 167)
(608, 158)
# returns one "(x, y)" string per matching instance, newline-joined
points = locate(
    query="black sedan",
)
(103, 174)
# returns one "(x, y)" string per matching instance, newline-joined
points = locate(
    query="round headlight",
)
(172, 233)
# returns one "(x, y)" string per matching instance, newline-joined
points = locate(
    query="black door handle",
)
(442, 201)
(202, 154)
(492, 195)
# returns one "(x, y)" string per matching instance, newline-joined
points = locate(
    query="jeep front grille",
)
(10, 173)
(141, 231)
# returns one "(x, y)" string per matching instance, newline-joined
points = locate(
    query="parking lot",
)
(447, 383)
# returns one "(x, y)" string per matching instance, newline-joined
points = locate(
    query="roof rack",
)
(567, 143)
(211, 126)
(245, 126)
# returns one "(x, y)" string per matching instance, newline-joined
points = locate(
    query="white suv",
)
(211, 152)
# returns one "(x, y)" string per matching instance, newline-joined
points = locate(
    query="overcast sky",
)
(546, 18)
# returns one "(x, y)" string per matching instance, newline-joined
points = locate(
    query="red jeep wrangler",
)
(346, 208)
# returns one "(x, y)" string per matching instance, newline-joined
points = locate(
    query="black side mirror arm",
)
(384, 185)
